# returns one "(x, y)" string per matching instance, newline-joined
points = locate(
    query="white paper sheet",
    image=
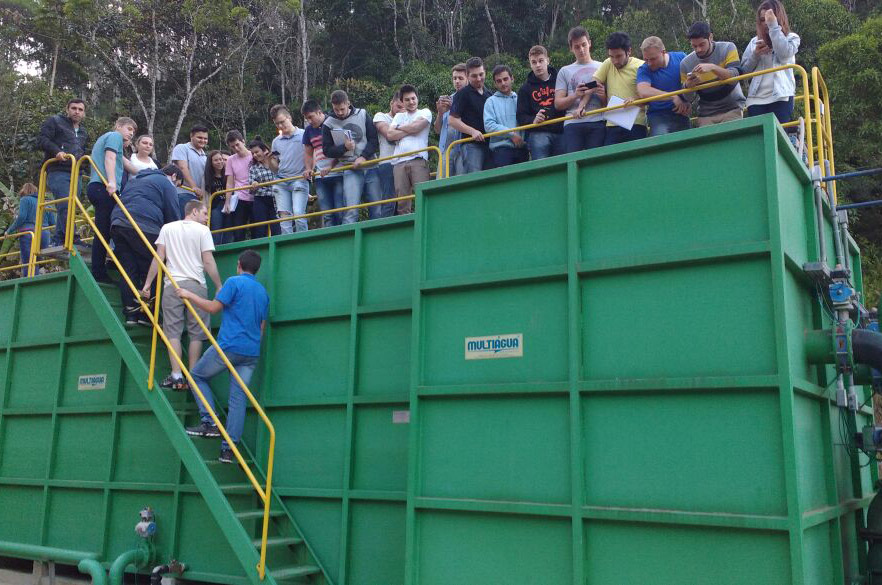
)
(624, 117)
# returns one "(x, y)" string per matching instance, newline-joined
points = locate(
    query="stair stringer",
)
(234, 532)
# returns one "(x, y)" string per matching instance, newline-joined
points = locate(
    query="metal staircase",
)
(289, 559)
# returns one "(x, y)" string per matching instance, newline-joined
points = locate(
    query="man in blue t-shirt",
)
(245, 306)
(661, 74)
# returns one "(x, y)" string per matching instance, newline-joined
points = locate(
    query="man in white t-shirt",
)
(410, 129)
(382, 121)
(186, 246)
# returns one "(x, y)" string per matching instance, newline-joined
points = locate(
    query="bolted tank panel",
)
(610, 382)
(583, 370)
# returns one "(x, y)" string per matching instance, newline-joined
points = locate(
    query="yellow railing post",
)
(157, 300)
(825, 129)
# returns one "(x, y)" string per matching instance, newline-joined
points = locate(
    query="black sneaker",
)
(176, 384)
(226, 455)
(144, 321)
(203, 430)
(131, 321)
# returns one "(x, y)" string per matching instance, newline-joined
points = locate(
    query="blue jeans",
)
(103, 204)
(209, 366)
(355, 182)
(782, 109)
(583, 135)
(291, 198)
(386, 191)
(504, 156)
(24, 245)
(455, 161)
(219, 220)
(330, 196)
(667, 123)
(472, 157)
(545, 144)
(617, 134)
(58, 184)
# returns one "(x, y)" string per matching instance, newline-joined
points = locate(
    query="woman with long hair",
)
(774, 45)
(263, 168)
(26, 221)
(215, 180)
(142, 154)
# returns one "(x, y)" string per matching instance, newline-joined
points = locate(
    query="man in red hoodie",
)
(536, 104)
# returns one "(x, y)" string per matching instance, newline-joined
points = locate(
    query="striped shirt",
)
(723, 98)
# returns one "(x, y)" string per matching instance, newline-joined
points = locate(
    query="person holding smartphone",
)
(536, 105)
(712, 61)
(774, 45)
(576, 91)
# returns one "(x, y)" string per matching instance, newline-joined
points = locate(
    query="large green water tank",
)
(583, 370)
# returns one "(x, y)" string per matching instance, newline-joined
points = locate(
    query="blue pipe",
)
(852, 175)
(861, 204)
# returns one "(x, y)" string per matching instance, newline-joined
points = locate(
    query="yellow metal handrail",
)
(823, 118)
(26, 264)
(366, 164)
(42, 203)
(268, 222)
(660, 97)
(163, 272)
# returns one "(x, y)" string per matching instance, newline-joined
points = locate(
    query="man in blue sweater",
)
(151, 198)
(500, 113)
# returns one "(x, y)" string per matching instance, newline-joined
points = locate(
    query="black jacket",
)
(57, 135)
(535, 95)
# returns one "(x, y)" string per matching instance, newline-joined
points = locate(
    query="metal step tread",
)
(238, 488)
(274, 541)
(215, 461)
(294, 572)
(257, 514)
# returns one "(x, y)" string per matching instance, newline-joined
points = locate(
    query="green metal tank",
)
(585, 370)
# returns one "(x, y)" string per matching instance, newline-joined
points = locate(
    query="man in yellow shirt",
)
(619, 74)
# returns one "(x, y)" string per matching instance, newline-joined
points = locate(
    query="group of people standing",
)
(352, 157)
(576, 91)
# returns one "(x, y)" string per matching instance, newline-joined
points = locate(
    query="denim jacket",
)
(784, 48)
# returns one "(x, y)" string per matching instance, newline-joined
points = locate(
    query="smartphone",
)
(590, 85)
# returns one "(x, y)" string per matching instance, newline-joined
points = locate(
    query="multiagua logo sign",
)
(508, 345)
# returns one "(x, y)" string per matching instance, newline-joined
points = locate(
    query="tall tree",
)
(182, 44)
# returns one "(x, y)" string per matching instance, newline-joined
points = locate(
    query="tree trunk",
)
(394, 5)
(54, 67)
(492, 27)
(191, 88)
(554, 14)
(304, 53)
(154, 73)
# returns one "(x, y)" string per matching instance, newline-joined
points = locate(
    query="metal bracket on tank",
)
(842, 347)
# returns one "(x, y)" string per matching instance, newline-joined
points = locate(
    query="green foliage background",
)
(369, 48)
